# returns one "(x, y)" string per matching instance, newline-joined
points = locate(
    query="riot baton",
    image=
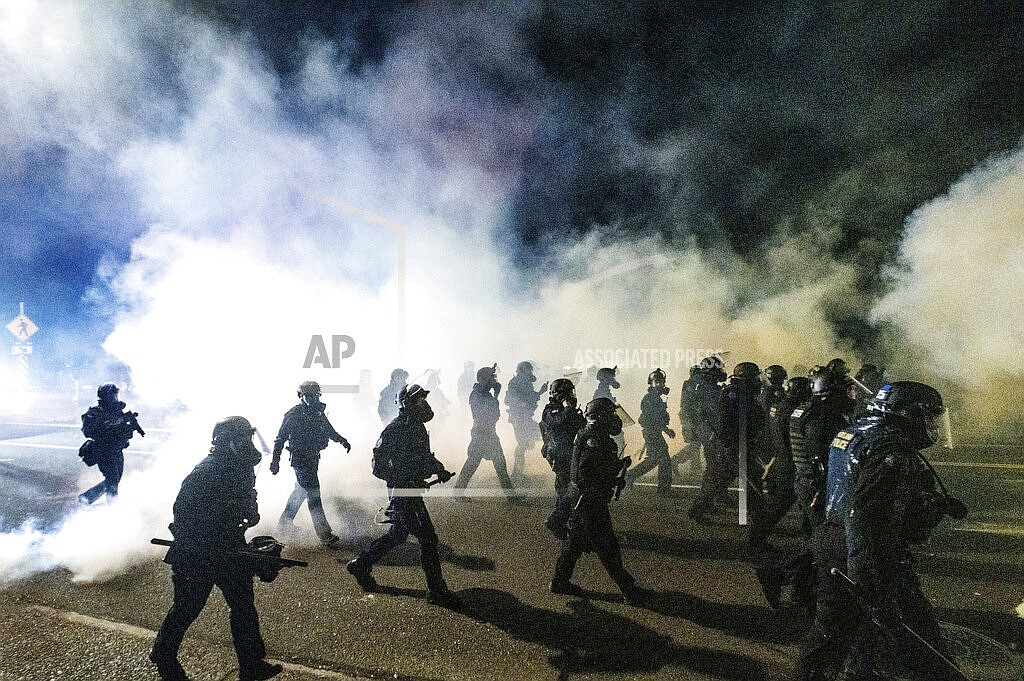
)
(899, 632)
(283, 562)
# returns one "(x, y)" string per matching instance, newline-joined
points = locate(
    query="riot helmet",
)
(412, 399)
(309, 392)
(798, 389)
(776, 375)
(525, 370)
(233, 434)
(607, 375)
(486, 375)
(657, 379)
(746, 375)
(107, 392)
(838, 366)
(562, 389)
(602, 412)
(712, 368)
(917, 408)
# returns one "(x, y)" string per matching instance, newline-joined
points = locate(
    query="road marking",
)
(70, 425)
(149, 634)
(36, 445)
(966, 464)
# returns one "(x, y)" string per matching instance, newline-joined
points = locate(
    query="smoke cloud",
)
(480, 185)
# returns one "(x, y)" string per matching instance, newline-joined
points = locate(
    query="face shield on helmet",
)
(602, 412)
(234, 435)
(412, 399)
(561, 390)
(657, 380)
(918, 408)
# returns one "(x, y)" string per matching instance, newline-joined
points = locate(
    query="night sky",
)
(742, 133)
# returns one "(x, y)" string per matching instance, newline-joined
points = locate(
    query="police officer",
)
(702, 404)
(780, 489)
(691, 445)
(306, 430)
(403, 459)
(774, 388)
(812, 426)
(742, 432)
(560, 421)
(109, 428)
(781, 474)
(521, 400)
(872, 378)
(606, 382)
(595, 475)
(215, 506)
(483, 438)
(879, 499)
(387, 407)
(654, 422)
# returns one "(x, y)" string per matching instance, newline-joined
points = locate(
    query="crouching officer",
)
(403, 459)
(215, 506)
(306, 430)
(595, 475)
(880, 498)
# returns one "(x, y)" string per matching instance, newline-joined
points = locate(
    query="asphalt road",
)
(708, 621)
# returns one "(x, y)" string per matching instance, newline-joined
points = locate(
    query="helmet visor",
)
(939, 430)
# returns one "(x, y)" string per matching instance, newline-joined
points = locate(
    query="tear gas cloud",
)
(389, 216)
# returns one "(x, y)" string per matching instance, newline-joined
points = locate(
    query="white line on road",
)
(37, 445)
(149, 634)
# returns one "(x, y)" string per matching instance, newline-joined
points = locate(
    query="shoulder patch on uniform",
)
(797, 413)
(591, 442)
(842, 439)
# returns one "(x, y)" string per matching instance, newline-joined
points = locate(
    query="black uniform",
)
(483, 439)
(307, 431)
(594, 469)
(654, 420)
(558, 427)
(737, 406)
(403, 459)
(877, 505)
(216, 504)
(521, 400)
(110, 428)
(702, 404)
(812, 426)
(691, 450)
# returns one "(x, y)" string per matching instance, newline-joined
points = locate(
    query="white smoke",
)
(261, 233)
(959, 297)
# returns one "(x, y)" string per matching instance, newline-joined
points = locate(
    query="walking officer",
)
(402, 458)
(306, 430)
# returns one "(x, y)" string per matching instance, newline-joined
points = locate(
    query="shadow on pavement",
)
(752, 622)
(714, 548)
(409, 554)
(590, 639)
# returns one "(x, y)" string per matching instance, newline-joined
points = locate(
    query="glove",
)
(544, 388)
(445, 475)
(275, 465)
(671, 433)
(345, 443)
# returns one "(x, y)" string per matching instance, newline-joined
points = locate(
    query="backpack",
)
(88, 452)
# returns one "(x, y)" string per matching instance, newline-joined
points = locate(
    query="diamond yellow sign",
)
(21, 326)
